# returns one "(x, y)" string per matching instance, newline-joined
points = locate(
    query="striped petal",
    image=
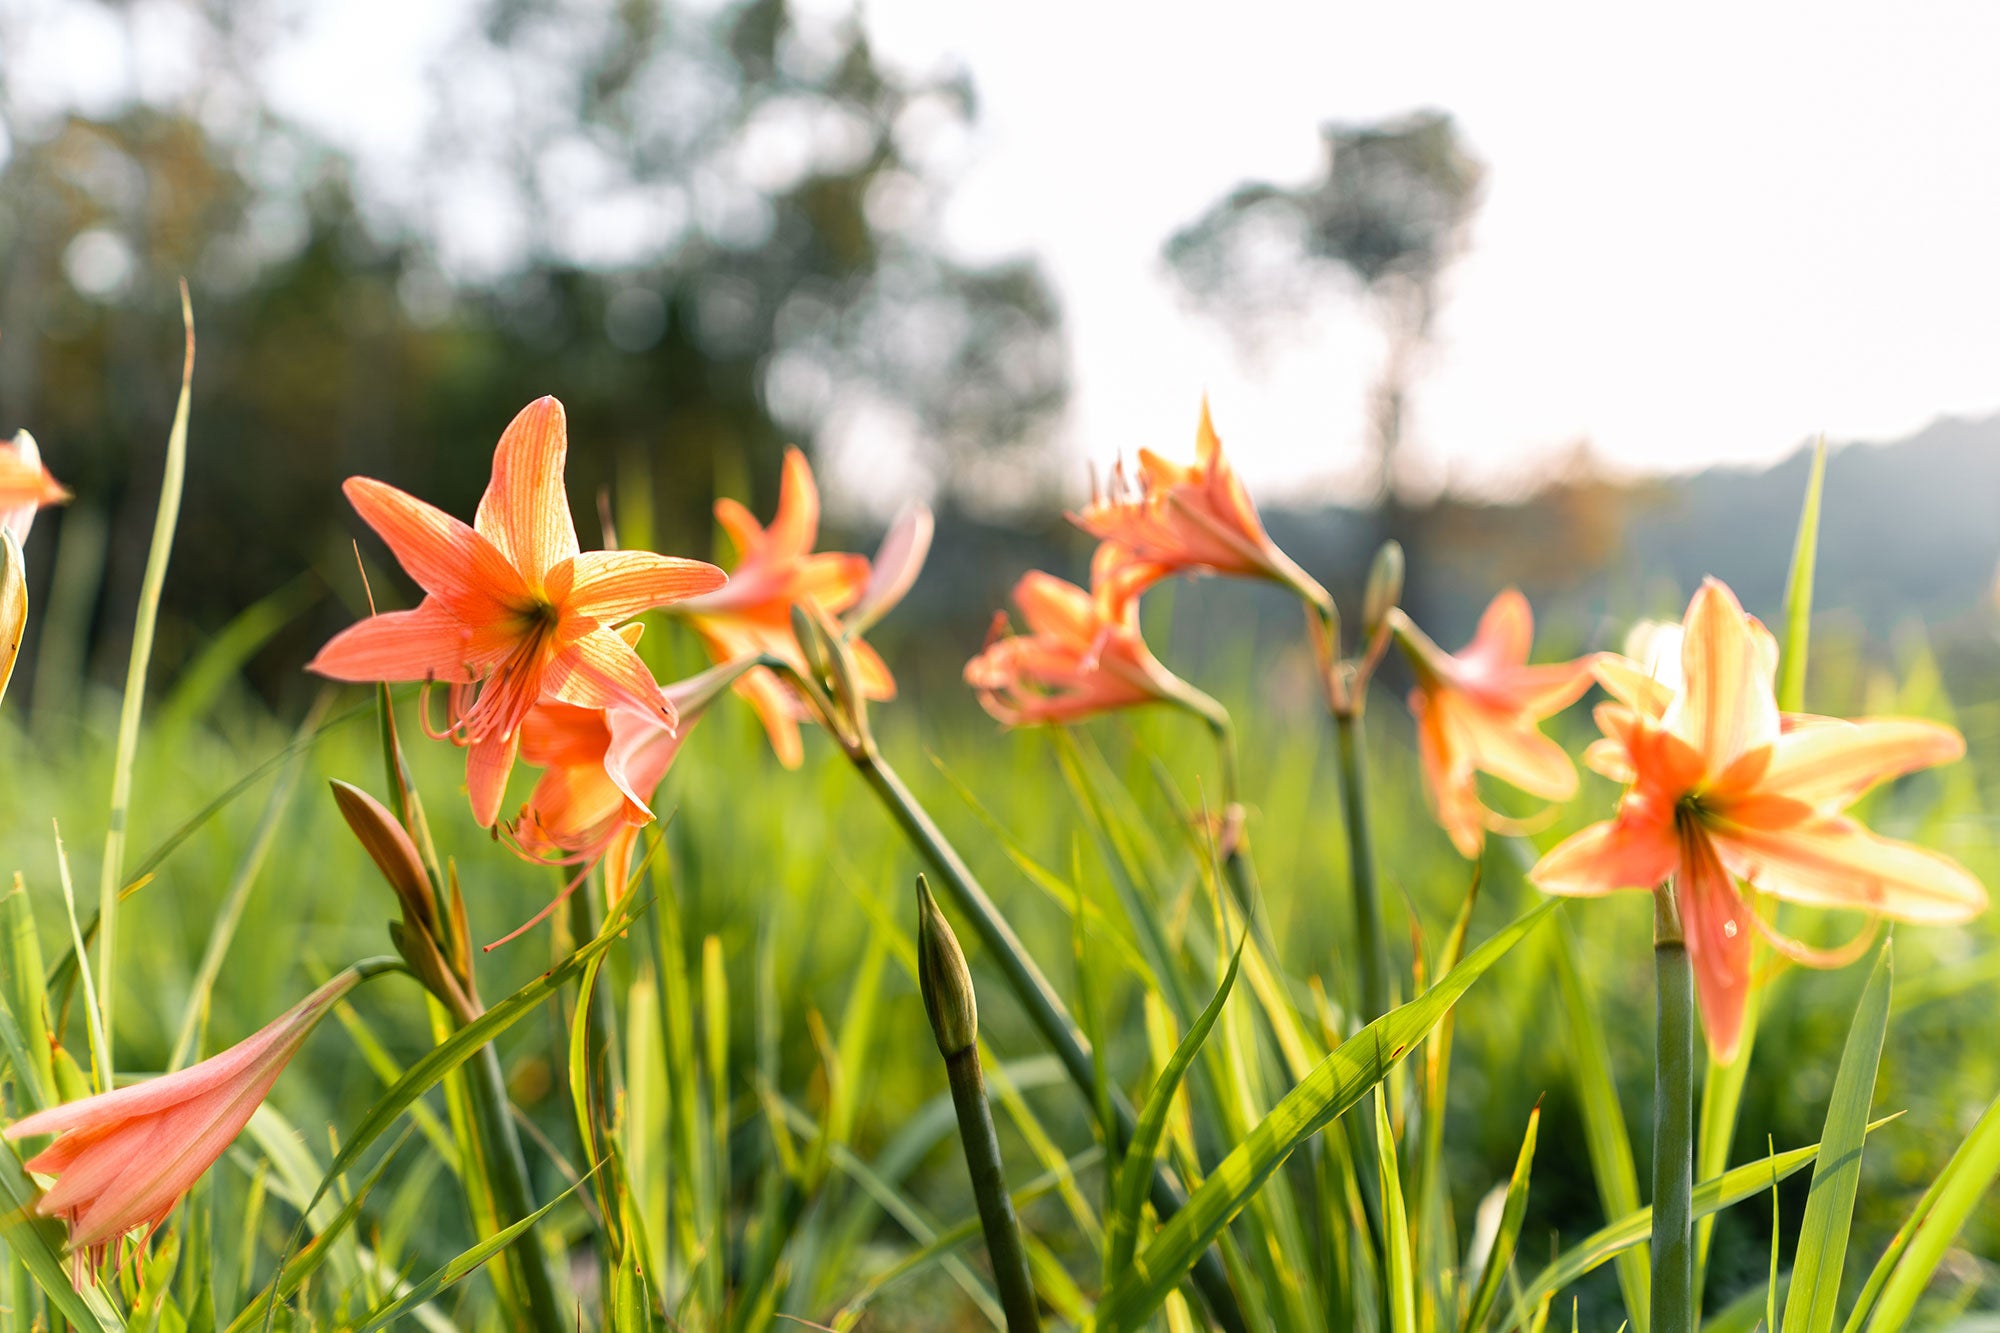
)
(1832, 763)
(449, 560)
(601, 670)
(1624, 853)
(1834, 862)
(488, 761)
(610, 586)
(1717, 927)
(525, 511)
(1728, 705)
(428, 643)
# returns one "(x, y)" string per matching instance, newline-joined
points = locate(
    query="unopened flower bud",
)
(389, 845)
(943, 978)
(812, 645)
(1385, 588)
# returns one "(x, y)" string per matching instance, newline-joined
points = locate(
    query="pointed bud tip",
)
(944, 979)
(1385, 587)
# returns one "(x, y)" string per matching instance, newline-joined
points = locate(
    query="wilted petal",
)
(525, 511)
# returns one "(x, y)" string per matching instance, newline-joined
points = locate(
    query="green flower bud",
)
(943, 978)
(1385, 588)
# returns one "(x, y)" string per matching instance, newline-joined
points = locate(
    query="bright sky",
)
(1704, 238)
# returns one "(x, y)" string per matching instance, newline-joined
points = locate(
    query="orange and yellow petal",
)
(1717, 927)
(488, 761)
(428, 643)
(601, 670)
(525, 511)
(1625, 853)
(610, 586)
(449, 560)
(1835, 862)
(1727, 706)
(1831, 763)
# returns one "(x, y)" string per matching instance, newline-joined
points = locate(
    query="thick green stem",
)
(1372, 941)
(989, 1188)
(1045, 1009)
(511, 1196)
(1673, 1125)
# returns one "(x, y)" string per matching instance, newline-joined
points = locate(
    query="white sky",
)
(1704, 237)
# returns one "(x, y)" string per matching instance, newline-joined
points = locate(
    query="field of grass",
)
(763, 1101)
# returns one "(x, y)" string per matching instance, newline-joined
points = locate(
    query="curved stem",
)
(1045, 1009)
(1673, 1124)
(1368, 928)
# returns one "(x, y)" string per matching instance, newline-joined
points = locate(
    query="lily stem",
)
(513, 1201)
(1673, 1123)
(1368, 929)
(989, 1188)
(1035, 994)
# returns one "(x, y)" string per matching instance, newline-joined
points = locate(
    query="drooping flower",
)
(777, 569)
(513, 612)
(1721, 788)
(601, 767)
(25, 485)
(1480, 710)
(1172, 518)
(124, 1158)
(1075, 660)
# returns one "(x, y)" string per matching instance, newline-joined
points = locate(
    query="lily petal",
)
(448, 559)
(795, 527)
(488, 761)
(1718, 929)
(1728, 706)
(428, 643)
(525, 511)
(610, 586)
(1624, 853)
(601, 670)
(1832, 764)
(1835, 862)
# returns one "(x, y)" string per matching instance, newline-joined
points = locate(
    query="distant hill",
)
(1910, 533)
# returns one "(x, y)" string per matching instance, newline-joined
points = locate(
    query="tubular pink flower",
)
(123, 1159)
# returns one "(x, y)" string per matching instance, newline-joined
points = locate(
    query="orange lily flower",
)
(25, 485)
(125, 1157)
(1722, 789)
(1173, 518)
(1076, 659)
(601, 768)
(513, 612)
(1480, 711)
(777, 569)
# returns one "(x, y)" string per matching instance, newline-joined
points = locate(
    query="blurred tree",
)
(710, 230)
(1388, 211)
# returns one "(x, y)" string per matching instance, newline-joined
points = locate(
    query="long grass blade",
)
(458, 1269)
(1605, 1135)
(1710, 1196)
(1399, 1277)
(143, 623)
(1135, 1175)
(1338, 1083)
(454, 1051)
(1890, 1297)
(1822, 1247)
(1512, 1212)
